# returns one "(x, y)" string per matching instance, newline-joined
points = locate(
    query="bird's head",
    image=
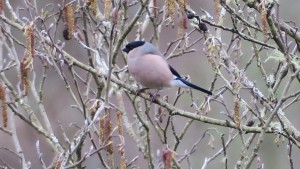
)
(132, 45)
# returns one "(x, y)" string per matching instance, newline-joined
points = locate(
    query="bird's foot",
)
(139, 91)
(154, 97)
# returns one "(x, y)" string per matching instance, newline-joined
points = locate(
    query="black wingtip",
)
(174, 72)
(195, 87)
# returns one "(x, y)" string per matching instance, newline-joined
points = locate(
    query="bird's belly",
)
(150, 76)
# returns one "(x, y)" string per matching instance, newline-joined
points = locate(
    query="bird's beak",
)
(125, 50)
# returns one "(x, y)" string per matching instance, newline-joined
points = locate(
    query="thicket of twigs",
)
(69, 52)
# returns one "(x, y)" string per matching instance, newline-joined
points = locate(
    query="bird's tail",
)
(184, 83)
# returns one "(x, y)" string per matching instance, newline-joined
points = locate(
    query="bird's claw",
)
(154, 97)
(139, 91)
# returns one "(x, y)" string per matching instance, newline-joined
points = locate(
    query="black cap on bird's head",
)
(133, 45)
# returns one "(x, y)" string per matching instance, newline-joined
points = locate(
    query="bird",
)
(148, 67)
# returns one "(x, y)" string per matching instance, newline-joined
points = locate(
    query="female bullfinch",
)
(149, 68)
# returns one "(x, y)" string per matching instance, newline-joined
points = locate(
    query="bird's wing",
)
(174, 72)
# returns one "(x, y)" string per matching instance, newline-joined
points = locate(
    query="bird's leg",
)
(154, 97)
(139, 91)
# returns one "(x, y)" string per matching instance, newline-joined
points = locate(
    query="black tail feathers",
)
(195, 86)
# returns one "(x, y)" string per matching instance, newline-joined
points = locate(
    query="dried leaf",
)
(170, 4)
(107, 8)
(237, 118)
(4, 105)
(69, 17)
(1, 6)
(217, 7)
(155, 8)
(182, 5)
(24, 75)
(94, 7)
(167, 158)
(121, 145)
(115, 15)
(183, 21)
(264, 22)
